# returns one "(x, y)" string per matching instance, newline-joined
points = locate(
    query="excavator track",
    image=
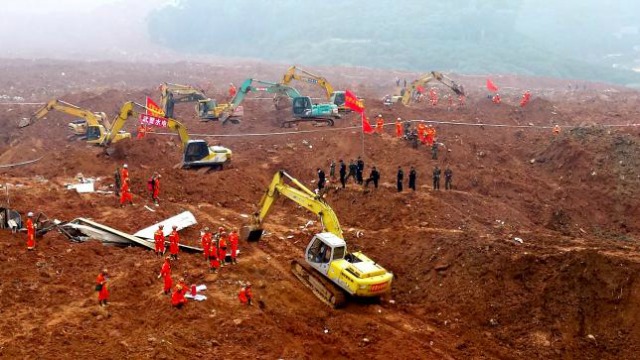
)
(321, 287)
(289, 123)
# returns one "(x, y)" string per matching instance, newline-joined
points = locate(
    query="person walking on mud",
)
(436, 178)
(448, 179)
(101, 287)
(353, 171)
(332, 170)
(434, 151)
(374, 176)
(321, 180)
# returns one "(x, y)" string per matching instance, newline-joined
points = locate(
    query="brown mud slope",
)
(464, 287)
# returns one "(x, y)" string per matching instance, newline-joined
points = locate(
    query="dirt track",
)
(463, 289)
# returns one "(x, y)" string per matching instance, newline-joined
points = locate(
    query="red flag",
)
(366, 127)
(153, 109)
(491, 86)
(351, 101)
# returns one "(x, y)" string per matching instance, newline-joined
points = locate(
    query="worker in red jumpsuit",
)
(158, 237)
(101, 287)
(233, 242)
(461, 100)
(165, 273)
(556, 130)
(379, 124)
(125, 194)
(525, 98)
(433, 96)
(124, 173)
(245, 295)
(430, 135)
(31, 232)
(205, 239)
(142, 131)
(232, 90)
(422, 133)
(174, 241)
(214, 264)
(399, 127)
(496, 99)
(222, 245)
(177, 298)
(154, 187)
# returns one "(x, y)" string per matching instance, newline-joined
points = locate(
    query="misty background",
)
(579, 39)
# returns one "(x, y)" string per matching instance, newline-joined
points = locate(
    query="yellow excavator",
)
(196, 153)
(206, 108)
(423, 80)
(328, 270)
(334, 97)
(94, 126)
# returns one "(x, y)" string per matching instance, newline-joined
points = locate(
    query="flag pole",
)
(362, 132)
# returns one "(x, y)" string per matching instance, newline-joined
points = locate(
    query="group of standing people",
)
(123, 187)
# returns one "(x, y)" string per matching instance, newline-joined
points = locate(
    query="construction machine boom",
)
(198, 153)
(434, 75)
(334, 97)
(329, 270)
(206, 108)
(93, 125)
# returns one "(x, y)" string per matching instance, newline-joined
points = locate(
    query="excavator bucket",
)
(24, 122)
(251, 233)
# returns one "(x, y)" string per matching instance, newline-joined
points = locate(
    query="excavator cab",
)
(95, 133)
(302, 106)
(195, 150)
(338, 98)
(205, 109)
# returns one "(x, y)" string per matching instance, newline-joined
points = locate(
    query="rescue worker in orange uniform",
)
(214, 264)
(556, 129)
(142, 131)
(232, 90)
(399, 127)
(125, 194)
(174, 240)
(461, 100)
(245, 295)
(165, 273)
(205, 240)
(31, 232)
(101, 287)
(124, 173)
(177, 298)
(233, 242)
(379, 124)
(222, 245)
(430, 135)
(433, 96)
(154, 188)
(525, 98)
(422, 130)
(158, 238)
(496, 99)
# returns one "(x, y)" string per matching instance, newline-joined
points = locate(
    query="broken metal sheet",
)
(93, 230)
(182, 220)
(82, 187)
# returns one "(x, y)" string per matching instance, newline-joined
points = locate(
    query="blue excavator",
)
(303, 108)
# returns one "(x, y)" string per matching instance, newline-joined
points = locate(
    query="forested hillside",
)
(572, 39)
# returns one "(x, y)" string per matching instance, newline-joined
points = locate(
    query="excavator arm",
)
(279, 90)
(126, 111)
(299, 194)
(434, 75)
(175, 125)
(92, 118)
(303, 75)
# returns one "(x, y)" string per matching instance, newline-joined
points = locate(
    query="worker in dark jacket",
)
(374, 176)
(412, 179)
(448, 179)
(436, 178)
(353, 171)
(360, 166)
(400, 179)
(321, 179)
(343, 173)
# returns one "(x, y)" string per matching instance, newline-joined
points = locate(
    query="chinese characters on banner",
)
(152, 120)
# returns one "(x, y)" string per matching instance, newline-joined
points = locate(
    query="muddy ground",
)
(463, 288)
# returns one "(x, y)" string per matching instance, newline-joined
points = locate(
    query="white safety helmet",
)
(30, 214)
(125, 166)
(399, 119)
